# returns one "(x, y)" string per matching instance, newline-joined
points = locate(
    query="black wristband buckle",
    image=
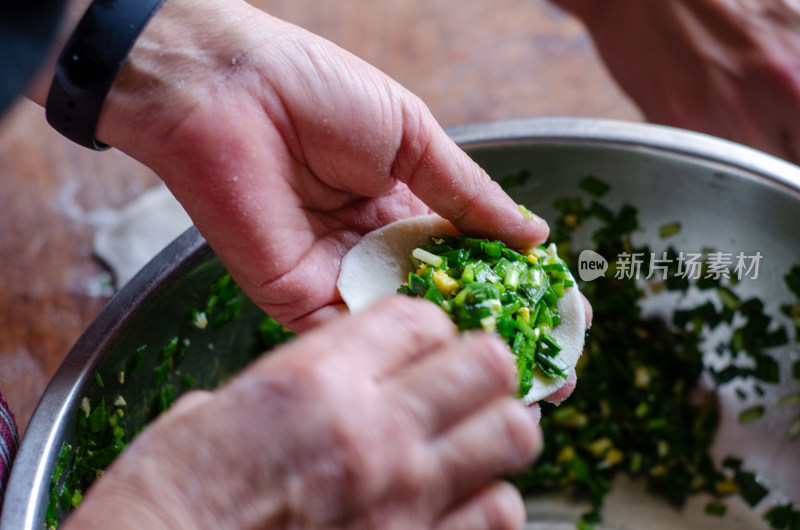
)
(89, 64)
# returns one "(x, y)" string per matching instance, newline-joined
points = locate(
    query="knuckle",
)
(418, 125)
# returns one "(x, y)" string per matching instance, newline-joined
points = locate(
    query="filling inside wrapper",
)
(527, 298)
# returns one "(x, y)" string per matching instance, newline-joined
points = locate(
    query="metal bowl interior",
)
(725, 196)
(127, 337)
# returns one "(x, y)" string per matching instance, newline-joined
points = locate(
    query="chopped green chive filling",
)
(716, 509)
(485, 285)
(638, 409)
(102, 430)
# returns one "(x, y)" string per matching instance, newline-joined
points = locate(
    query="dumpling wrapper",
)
(379, 264)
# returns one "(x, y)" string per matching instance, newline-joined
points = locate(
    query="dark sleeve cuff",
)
(27, 29)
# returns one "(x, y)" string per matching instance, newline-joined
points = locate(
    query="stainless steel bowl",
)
(724, 194)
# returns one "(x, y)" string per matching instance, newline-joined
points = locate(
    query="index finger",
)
(437, 171)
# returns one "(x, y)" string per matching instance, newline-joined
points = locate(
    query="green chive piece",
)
(717, 509)
(729, 298)
(76, 499)
(668, 230)
(792, 400)
(750, 489)
(792, 280)
(783, 517)
(427, 257)
(594, 186)
(188, 381)
(752, 414)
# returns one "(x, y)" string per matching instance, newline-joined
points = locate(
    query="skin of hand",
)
(285, 149)
(405, 447)
(730, 68)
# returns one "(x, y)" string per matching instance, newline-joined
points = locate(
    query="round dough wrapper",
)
(569, 335)
(379, 264)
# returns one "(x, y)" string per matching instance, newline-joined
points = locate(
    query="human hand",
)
(723, 67)
(387, 419)
(285, 150)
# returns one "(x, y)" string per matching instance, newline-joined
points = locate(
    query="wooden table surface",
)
(469, 61)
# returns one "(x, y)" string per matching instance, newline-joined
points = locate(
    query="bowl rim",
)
(628, 135)
(38, 450)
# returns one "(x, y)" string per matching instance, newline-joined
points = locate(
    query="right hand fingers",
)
(443, 388)
(407, 408)
(501, 438)
(461, 400)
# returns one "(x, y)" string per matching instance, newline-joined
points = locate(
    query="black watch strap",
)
(89, 63)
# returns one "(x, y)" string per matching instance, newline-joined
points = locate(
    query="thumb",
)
(444, 177)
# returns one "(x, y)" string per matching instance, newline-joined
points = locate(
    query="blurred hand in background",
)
(730, 68)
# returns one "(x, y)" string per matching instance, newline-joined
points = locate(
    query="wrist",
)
(176, 52)
(180, 57)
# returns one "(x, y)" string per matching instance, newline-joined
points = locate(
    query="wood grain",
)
(469, 61)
